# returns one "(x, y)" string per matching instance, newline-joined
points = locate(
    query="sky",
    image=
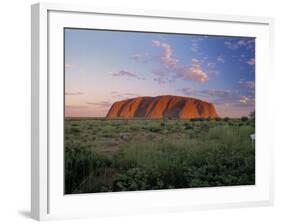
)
(102, 67)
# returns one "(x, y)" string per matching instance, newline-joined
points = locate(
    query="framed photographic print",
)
(146, 111)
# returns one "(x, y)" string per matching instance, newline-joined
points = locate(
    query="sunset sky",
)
(102, 67)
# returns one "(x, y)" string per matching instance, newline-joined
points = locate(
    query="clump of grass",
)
(80, 162)
(75, 130)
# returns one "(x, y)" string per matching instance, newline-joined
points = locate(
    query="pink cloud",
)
(252, 61)
(194, 72)
(244, 100)
(166, 58)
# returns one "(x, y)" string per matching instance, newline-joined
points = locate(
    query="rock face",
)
(162, 106)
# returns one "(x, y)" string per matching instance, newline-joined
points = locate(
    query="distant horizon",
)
(103, 67)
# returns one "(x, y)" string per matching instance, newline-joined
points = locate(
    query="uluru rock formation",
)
(162, 106)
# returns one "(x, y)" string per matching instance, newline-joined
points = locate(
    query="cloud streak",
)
(213, 95)
(163, 75)
(128, 74)
(221, 96)
(248, 84)
(143, 58)
(220, 59)
(74, 93)
(243, 42)
(100, 103)
(75, 106)
(121, 95)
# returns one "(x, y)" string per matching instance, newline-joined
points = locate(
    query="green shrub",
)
(188, 126)
(75, 130)
(131, 180)
(226, 119)
(155, 129)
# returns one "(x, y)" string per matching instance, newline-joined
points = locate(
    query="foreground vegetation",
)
(124, 155)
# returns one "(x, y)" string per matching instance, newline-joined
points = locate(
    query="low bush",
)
(80, 162)
(75, 130)
(155, 129)
(188, 126)
(226, 119)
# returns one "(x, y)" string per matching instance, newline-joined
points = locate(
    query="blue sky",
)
(102, 67)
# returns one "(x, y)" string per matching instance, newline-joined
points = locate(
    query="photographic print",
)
(150, 111)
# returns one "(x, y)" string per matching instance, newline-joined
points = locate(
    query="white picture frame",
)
(47, 198)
